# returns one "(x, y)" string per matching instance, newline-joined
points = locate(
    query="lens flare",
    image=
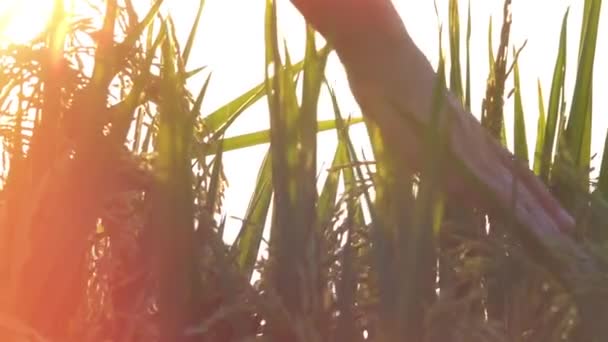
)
(21, 21)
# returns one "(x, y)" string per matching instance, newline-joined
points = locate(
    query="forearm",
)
(394, 85)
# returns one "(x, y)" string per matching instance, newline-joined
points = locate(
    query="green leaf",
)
(467, 97)
(602, 183)
(227, 113)
(251, 234)
(540, 131)
(263, 137)
(578, 131)
(555, 99)
(192, 33)
(215, 182)
(327, 200)
(519, 129)
(455, 71)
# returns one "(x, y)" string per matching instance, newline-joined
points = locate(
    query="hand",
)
(394, 85)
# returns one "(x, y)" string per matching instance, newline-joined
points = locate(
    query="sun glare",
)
(21, 21)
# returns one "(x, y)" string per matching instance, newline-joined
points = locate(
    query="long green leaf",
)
(328, 197)
(602, 183)
(467, 96)
(455, 69)
(578, 131)
(519, 129)
(252, 230)
(555, 99)
(540, 131)
(263, 137)
(227, 112)
(192, 33)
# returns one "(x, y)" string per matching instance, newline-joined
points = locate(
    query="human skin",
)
(394, 85)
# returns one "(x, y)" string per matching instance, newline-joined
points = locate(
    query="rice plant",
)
(113, 185)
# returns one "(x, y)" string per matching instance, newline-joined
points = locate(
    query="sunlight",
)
(21, 21)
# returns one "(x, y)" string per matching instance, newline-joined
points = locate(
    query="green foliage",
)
(114, 213)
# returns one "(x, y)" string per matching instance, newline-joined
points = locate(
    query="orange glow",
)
(21, 21)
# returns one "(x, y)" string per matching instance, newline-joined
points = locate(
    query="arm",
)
(394, 84)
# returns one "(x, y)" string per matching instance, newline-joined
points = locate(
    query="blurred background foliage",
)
(112, 216)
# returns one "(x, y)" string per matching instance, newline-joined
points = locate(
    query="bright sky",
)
(230, 43)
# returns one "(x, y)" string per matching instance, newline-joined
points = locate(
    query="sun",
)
(21, 21)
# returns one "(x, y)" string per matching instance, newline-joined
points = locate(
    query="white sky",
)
(230, 43)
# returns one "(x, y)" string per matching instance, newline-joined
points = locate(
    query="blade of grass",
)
(467, 97)
(540, 131)
(213, 192)
(519, 129)
(263, 136)
(227, 112)
(329, 194)
(578, 131)
(455, 70)
(602, 183)
(555, 99)
(192, 33)
(250, 238)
